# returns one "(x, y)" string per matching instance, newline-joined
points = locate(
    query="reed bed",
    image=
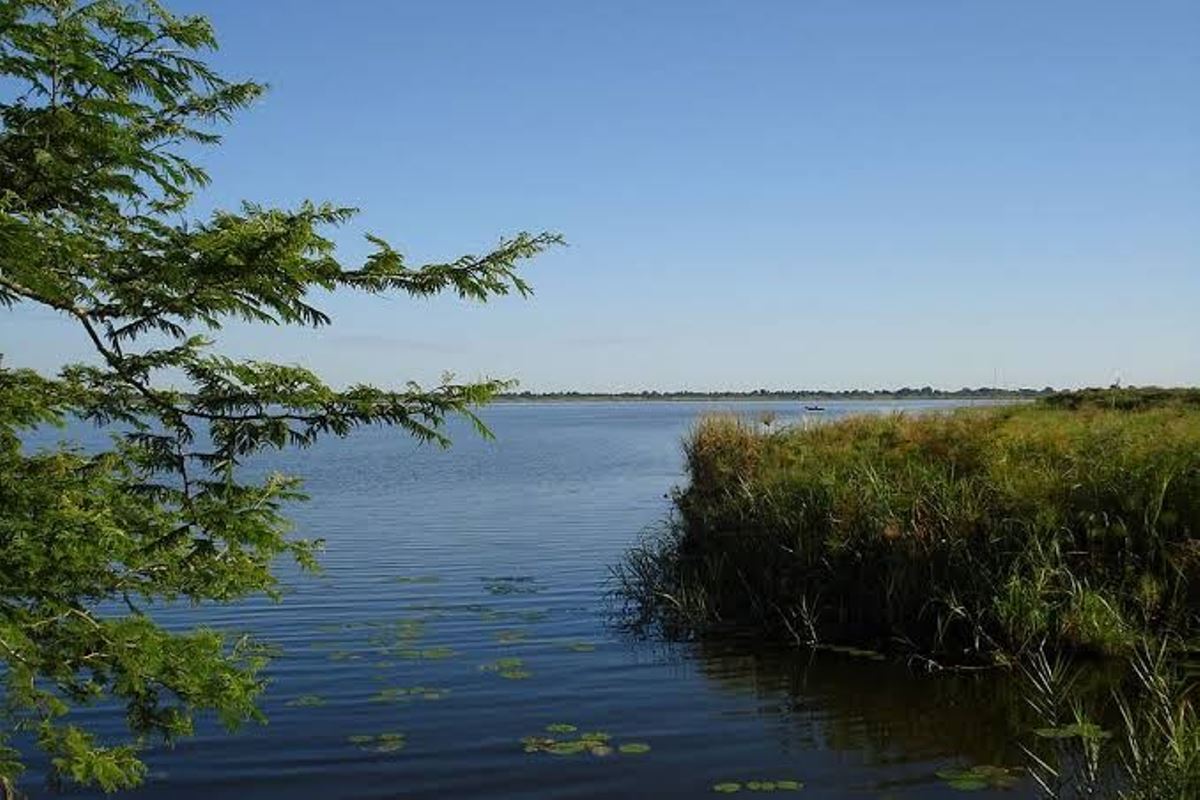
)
(976, 535)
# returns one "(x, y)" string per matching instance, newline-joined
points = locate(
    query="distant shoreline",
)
(859, 396)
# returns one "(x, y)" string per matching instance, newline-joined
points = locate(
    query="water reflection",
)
(889, 714)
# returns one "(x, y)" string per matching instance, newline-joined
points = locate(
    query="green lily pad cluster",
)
(428, 654)
(403, 631)
(509, 584)
(596, 743)
(511, 636)
(403, 694)
(389, 742)
(581, 647)
(511, 668)
(306, 701)
(732, 787)
(981, 776)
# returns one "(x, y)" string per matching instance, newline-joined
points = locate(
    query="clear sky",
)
(787, 193)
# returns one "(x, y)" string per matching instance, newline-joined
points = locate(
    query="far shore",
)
(753, 397)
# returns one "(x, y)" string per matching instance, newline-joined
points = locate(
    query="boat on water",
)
(814, 408)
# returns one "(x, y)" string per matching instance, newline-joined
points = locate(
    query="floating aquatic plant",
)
(344, 655)
(581, 647)
(306, 701)
(1077, 730)
(428, 654)
(981, 776)
(389, 696)
(509, 584)
(399, 694)
(511, 636)
(730, 787)
(401, 631)
(568, 747)
(417, 579)
(596, 743)
(389, 742)
(511, 668)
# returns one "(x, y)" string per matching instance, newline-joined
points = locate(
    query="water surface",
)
(445, 567)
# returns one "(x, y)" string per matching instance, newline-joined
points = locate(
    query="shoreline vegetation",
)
(972, 536)
(1037, 536)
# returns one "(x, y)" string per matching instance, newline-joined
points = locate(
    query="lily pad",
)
(581, 647)
(388, 742)
(417, 579)
(594, 743)
(511, 636)
(515, 674)
(511, 668)
(982, 776)
(730, 787)
(1078, 730)
(634, 748)
(437, 653)
(389, 696)
(509, 584)
(306, 701)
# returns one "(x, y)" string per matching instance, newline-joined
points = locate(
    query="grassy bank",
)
(1071, 522)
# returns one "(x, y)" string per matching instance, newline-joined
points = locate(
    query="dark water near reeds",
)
(443, 562)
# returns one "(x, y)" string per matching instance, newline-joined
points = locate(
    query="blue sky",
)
(756, 194)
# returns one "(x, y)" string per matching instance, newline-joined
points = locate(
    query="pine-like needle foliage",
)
(100, 103)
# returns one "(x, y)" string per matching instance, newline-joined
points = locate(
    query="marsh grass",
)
(1151, 751)
(973, 535)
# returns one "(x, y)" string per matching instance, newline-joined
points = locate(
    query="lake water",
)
(442, 566)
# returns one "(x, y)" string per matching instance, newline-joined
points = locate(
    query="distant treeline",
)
(924, 392)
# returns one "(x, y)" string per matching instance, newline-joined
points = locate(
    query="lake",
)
(463, 605)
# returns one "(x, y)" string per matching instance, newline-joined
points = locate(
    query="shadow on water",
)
(899, 721)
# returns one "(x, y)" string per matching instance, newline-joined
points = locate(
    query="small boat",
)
(814, 408)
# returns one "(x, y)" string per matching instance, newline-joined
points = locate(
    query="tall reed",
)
(973, 535)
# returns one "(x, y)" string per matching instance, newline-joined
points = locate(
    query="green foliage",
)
(971, 535)
(1155, 752)
(981, 776)
(1123, 398)
(103, 103)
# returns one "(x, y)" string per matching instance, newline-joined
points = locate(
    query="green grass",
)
(973, 535)
(1151, 749)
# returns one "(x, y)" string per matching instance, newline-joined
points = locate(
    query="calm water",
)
(440, 563)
